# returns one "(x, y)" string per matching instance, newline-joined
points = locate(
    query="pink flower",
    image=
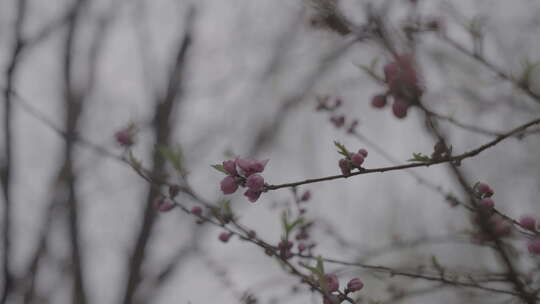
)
(345, 166)
(363, 152)
(255, 182)
(528, 222)
(399, 108)
(534, 246)
(163, 205)
(484, 189)
(338, 120)
(306, 196)
(228, 185)
(332, 282)
(125, 137)
(230, 167)
(357, 159)
(225, 236)
(487, 202)
(251, 166)
(354, 285)
(252, 195)
(378, 101)
(196, 210)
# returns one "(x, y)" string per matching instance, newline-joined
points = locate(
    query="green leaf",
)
(419, 157)
(175, 157)
(292, 225)
(341, 149)
(320, 264)
(220, 168)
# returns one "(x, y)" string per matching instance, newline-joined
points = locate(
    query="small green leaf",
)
(419, 157)
(341, 149)
(292, 225)
(175, 156)
(220, 168)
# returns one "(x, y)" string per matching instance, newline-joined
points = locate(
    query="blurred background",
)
(241, 77)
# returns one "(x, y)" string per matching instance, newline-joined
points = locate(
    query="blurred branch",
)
(7, 161)
(162, 131)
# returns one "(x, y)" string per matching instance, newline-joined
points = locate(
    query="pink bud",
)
(285, 244)
(378, 101)
(225, 236)
(251, 166)
(338, 120)
(487, 202)
(399, 108)
(230, 167)
(124, 137)
(484, 189)
(252, 195)
(528, 222)
(306, 196)
(534, 246)
(390, 71)
(357, 159)
(228, 185)
(163, 205)
(196, 210)
(345, 166)
(355, 285)
(301, 247)
(255, 182)
(363, 152)
(332, 282)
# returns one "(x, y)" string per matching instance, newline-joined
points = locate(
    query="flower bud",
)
(230, 167)
(225, 236)
(252, 195)
(357, 159)
(255, 182)
(354, 285)
(528, 222)
(534, 246)
(163, 205)
(487, 203)
(345, 166)
(399, 108)
(228, 185)
(306, 196)
(196, 210)
(332, 282)
(378, 101)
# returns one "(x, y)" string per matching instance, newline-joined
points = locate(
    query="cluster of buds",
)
(302, 236)
(352, 161)
(499, 226)
(126, 136)
(243, 172)
(332, 285)
(331, 105)
(403, 86)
